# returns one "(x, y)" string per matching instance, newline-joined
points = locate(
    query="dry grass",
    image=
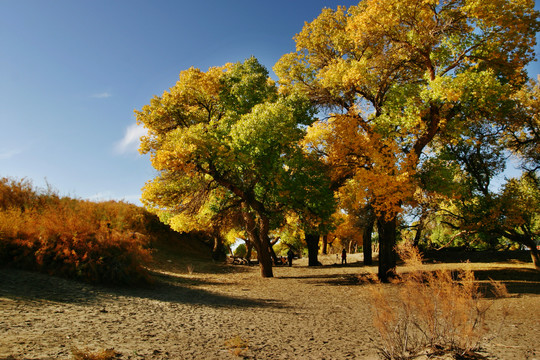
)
(85, 354)
(237, 346)
(96, 242)
(435, 312)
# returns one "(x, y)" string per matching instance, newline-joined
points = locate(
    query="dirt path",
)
(302, 313)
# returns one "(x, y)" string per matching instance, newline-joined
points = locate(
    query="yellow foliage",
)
(232, 235)
(380, 171)
(193, 100)
(400, 73)
(347, 230)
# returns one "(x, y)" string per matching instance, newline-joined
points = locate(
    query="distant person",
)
(290, 256)
(343, 257)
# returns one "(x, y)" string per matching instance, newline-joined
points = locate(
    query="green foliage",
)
(291, 235)
(238, 142)
(240, 251)
(522, 131)
(519, 209)
(488, 220)
(246, 85)
(402, 79)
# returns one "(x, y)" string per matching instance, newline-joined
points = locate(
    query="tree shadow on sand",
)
(517, 280)
(329, 279)
(349, 264)
(487, 256)
(39, 288)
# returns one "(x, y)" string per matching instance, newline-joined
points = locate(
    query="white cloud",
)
(101, 196)
(130, 141)
(133, 199)
(109, 195)
(102, 95)
(9, 154)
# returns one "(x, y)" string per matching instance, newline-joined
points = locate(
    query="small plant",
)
(237, 346)
(435, 312)
(190, 269)
(85, 354)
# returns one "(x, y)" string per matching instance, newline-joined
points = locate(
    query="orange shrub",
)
(97, 242)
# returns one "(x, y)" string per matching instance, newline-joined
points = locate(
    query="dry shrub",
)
(237, 346)
(368, 278)
(85, 354)
(97, 242)
(434, 312)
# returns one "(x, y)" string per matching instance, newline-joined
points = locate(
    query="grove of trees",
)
(385, 108)
(227, 147)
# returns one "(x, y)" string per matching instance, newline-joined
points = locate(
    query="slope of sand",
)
(302, 313)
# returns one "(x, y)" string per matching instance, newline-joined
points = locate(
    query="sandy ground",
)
(302, 313)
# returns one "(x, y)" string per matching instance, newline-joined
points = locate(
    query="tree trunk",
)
(272, 242)
(366, 241)
(217, 248)
(273, 255)
(258, 235)
(249, 248)
(265, 258)
(418, 235)
(265, 261)
(535, 255)
(387, 243)
(419, 229)
(312, 241)
(325, 244)
(531, 244)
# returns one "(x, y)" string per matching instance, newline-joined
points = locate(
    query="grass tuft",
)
(85, 354)
(237, 346)
(434, 312)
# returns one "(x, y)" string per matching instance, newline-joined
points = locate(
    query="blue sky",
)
(72, 72)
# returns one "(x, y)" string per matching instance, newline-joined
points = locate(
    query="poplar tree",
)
(396, 75)
(225, 142)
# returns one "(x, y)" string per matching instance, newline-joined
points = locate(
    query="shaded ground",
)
(302, 313)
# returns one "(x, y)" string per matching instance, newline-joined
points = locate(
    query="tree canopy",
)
(399, 77)
(225, 140)
(411, 95)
